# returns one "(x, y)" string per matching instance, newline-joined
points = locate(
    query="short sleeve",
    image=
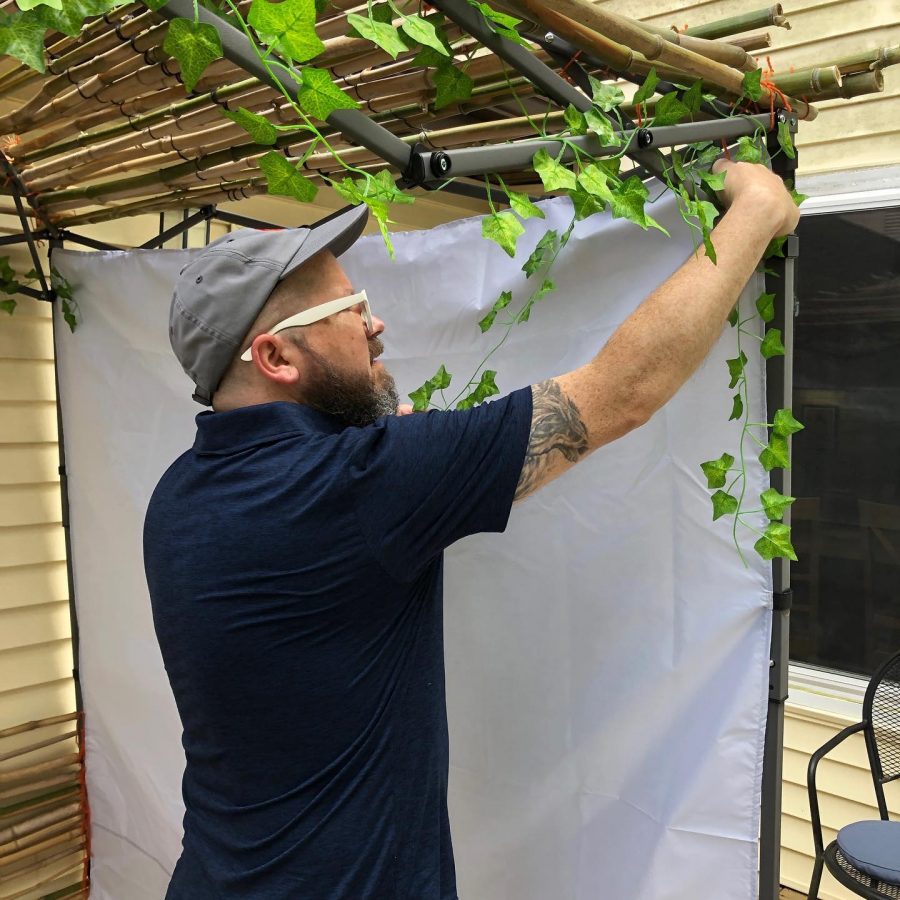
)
(422, 481)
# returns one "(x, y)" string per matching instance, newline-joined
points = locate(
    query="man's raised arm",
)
(658, 347)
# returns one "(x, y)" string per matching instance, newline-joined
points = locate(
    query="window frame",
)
(830, 691)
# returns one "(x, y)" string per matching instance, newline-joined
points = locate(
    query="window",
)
(846, 466)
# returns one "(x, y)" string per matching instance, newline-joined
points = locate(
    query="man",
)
(294, 554)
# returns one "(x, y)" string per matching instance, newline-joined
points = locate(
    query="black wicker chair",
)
(881, 728)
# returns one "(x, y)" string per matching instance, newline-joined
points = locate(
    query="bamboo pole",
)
(8, 776)
(725, 53)
(67, 838)
(758, 18)
(21, 751)
(36, 724)
(855, 85)
(26, 791)
(808, 82)
(651, 46)
(175, 112)
(760, 41)
(871, 59)
(46, 880)
(39, 835)
(36, 823)
(37, 860)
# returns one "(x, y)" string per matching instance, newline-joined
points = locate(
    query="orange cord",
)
(572, 58)
(85, 806)
(766, 82)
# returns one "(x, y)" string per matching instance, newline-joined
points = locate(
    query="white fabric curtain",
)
(606, 657)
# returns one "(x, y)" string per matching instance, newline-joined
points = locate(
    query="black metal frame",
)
(865, 725)
(426, 168)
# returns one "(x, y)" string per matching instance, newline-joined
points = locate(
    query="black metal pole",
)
(237, 48)
(779, 391)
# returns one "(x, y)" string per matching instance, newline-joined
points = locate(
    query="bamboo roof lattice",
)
(109, 129)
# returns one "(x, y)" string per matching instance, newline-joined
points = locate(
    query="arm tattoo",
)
(556, 424)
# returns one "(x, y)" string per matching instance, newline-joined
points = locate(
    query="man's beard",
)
(355, 400)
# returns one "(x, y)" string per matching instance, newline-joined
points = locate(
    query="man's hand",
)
(754, 184)
(404, 409)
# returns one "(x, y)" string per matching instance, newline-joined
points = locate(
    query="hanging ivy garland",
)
(284, 38)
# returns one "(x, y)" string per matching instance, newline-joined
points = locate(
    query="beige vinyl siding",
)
(848, 134)
(844, 788)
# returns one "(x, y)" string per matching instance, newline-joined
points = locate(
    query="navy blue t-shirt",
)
(295, 573)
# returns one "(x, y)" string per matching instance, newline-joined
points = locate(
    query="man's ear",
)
(276, 359)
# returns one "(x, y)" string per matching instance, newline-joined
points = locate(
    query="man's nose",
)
(377, 327)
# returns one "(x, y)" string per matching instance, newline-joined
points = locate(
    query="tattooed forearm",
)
(556, 425)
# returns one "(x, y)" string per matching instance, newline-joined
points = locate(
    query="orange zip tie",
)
(725, 149)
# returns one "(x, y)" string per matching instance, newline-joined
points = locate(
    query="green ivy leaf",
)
(733, 317)
(707, 153)
(523, 207)
(421, 396)
(575, 120)
(61, 285)
(736, 368)
(600, 125)
(22, 37)
(776, 541)
(546, 287)
(709, 247)
(492, 15)
(542, 253)
(693, 97)
(283, 179)
(797, 197)
(628, 203)
(378, 12)
(785, 424)
(30, 4)
(747, 150)
(595, 180)
(716, 470)
(771, 345)
(319, 96)
(775, 503)
(423, 32)
(647, 89)
(715, 181)
(786, 140)
(382, 34)
(776, 248)
(705, 212)
(8, 306)
(288, 27)
(606, 96)
(452, 85)
(737, 408)
(765, 306)
(258, 127)
(553, 173)
(195, 45)
(585, 204)
(486, 387)
(776, 454)
(724, 504)
(503, 229)
(669, 110)
(751, 85)
(500, 303)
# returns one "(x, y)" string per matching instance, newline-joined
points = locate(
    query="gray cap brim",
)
(337, 233)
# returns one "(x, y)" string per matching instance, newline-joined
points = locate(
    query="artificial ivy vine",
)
(284, 38)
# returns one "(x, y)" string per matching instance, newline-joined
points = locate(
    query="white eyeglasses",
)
(322, 311)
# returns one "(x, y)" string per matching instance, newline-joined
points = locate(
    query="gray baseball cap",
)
(219, 294)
